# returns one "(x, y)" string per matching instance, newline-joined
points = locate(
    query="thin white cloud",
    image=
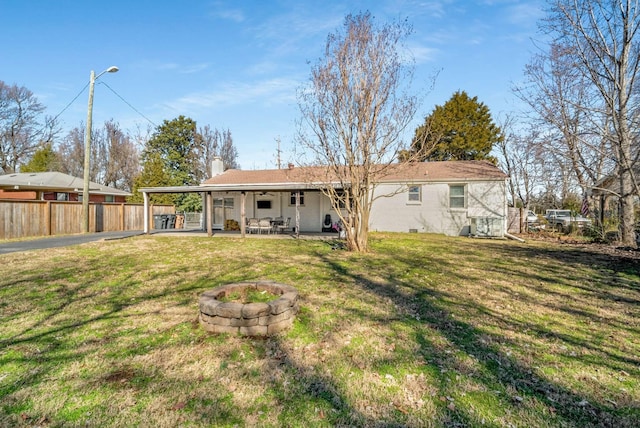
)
(435, 9)
(423, 54)
(292, 31)
(179, 68)
(227, 13)
(525, 14)
(193, 68)
(267, 92)
(166, 66)
(263, 67)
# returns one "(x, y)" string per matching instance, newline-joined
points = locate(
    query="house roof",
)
(610, 185)
(53, 181)
(417, 171)
(445, 171)
(293, 178)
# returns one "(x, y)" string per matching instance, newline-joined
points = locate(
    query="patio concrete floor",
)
(237, 234)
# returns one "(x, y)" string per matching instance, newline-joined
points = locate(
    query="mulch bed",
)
(611, 250)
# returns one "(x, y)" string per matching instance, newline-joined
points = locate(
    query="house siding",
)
(311, 212)
(395, 213)
(429, 210)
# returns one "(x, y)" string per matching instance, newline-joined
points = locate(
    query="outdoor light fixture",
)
(87, 148)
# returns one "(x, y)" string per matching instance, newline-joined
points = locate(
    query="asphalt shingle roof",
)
(418, 171)
(53, 181)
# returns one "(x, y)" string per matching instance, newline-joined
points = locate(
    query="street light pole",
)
(87, 148)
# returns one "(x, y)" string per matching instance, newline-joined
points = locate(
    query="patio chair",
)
(327, 224)
(276, 222)
(264, 225)
(253, 226)
(281, 228)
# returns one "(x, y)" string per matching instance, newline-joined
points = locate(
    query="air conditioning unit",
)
(486, 226)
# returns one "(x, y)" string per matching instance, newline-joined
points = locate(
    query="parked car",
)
(564, 219)
(532, 217)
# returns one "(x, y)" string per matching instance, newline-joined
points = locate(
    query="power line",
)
(129, 104)
(70, 102)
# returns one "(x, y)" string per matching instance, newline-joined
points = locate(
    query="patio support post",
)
(243, 214)
(145, 212)
(297, 213)
(209, 219)
(203, 225)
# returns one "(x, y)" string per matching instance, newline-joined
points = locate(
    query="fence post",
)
(47, 218)
(122, 216)
(149, 218)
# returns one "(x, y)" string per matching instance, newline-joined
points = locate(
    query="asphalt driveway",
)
(62, 241)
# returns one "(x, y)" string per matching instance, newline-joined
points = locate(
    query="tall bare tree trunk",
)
(356, 110)
(606, 46)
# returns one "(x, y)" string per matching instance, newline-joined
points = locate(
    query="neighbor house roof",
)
(610, 185)
(54, 182)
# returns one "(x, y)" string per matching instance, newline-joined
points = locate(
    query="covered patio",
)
(286, 201)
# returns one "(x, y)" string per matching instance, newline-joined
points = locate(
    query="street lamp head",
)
(112, 69)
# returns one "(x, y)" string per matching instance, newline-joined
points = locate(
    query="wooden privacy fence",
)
(517, 221)
(22, 219)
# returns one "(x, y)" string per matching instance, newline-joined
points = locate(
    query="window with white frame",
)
(223, 203)
(415, 194)
(292, 200)
(457, 196)
(343, 197)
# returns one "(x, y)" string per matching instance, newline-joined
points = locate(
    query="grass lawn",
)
(423, 331)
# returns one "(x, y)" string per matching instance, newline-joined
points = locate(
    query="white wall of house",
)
(433, 212)
(312, 209)
(395, 212)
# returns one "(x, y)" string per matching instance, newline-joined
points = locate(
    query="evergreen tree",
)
(461, 129)
(44, 159)
(169, 159)
(153, 175)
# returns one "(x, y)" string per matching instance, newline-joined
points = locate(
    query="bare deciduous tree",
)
(23, 128)
(114, 156)
(71, 151)
(566, 110)
(356, 109)
(603, 36)
(213, 143)
(520, 159)
(120, 161)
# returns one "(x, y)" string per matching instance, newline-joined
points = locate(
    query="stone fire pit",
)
(248, 319)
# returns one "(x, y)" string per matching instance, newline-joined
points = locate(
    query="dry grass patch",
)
(423, 331)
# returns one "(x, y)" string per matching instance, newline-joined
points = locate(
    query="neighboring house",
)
(453, 198)
(606, 192)
(610, 185)
(55, 186)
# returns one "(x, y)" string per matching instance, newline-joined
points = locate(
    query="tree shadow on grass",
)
(302, 390)
(612, 267)
(66, 323)
(518, 388)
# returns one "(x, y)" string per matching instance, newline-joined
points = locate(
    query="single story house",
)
(452, 197)
(607, 191)
(55, 186)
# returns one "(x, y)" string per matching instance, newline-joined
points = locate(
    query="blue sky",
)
(237, 64)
